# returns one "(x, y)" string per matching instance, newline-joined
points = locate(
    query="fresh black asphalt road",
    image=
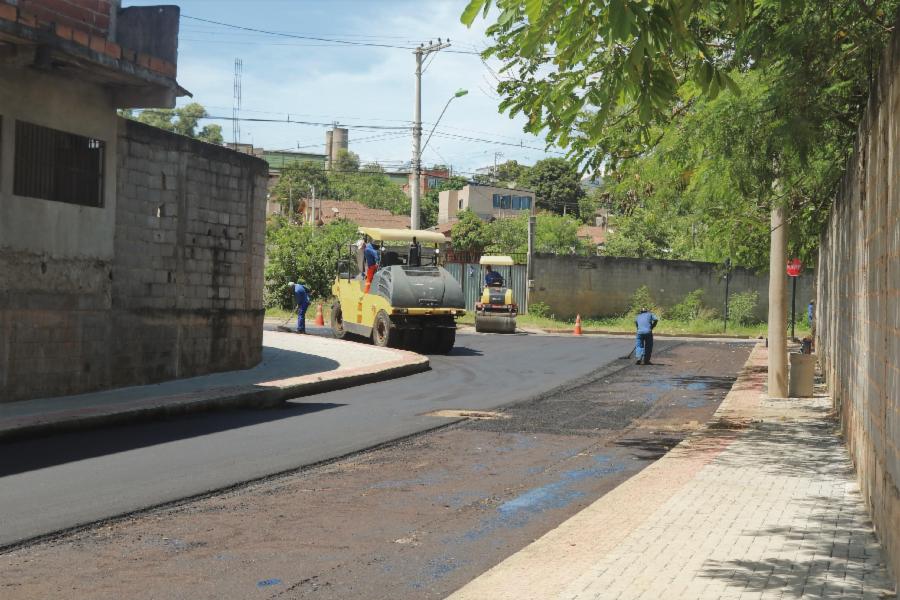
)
(53, 483)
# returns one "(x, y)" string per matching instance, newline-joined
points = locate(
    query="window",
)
(496, 200)
(460, 204)
(55, 165)
(526, 202)
(506, 202)
(517, 202)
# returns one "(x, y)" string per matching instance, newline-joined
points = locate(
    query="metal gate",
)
(470, 278)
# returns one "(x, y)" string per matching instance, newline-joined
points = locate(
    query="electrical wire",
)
(316, 38)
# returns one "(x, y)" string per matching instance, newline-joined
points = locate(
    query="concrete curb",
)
(269, 395)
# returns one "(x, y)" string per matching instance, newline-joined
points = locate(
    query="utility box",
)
(803, 371)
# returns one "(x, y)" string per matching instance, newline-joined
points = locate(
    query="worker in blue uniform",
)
(371, 256)
(301, 297)
(492, 278)
(645, 322)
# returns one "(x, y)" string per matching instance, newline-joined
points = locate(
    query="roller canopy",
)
(500, 261)
(404, 235)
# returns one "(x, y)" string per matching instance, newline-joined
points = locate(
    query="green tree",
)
(558, 234)
(509, 236)
(346, 162)
(554, 234)
(183, 121)
(295, 183)
(555, 184)
(619, 82)
(303, 254)
(469, 233)
(374, 190)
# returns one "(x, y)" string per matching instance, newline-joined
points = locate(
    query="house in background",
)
(486, 201)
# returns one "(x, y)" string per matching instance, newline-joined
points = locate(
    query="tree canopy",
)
(307, 255)
(556, 185)
(183, 120)
(705, 111)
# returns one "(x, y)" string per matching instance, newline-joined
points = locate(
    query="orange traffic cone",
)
(320, 321)
(577, 325)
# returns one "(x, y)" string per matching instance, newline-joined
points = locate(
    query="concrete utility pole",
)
(421, 52)
(778, 384)
(529, 268)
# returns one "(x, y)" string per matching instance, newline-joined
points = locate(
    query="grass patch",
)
(626, 325)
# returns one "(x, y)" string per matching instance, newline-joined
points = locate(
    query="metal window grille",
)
(59, 166)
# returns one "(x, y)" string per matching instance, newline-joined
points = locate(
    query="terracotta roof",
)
(360, 214)
(446, 227)
(597, 235)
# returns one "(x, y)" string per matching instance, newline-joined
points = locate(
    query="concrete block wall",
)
(189, 252)
(181, 294)
(858, 332)
(601, 286)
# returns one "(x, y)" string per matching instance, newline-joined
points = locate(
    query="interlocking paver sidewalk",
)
(292, 366)
(762, 504)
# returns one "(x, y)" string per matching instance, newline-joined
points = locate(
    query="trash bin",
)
(803, 371)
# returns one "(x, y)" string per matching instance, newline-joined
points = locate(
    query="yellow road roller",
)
(412, 301)
(496, 312)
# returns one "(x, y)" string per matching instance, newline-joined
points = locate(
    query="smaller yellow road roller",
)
(497, 309)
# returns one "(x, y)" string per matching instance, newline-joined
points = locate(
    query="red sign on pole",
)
(793, 267)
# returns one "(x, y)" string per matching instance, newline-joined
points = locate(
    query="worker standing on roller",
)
(645, 322)
(371, 256)
(301, 296)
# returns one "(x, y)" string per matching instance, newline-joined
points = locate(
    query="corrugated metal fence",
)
(471, 279)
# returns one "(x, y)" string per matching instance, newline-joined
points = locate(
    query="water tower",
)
(336, 139)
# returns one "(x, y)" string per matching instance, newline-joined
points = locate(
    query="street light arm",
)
(428, 139)
(458, 94)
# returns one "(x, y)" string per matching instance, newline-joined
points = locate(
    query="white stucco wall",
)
(56, 229)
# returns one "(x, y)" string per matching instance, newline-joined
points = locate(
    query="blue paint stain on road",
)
(268, 582)
(520, 510)
(698, 385)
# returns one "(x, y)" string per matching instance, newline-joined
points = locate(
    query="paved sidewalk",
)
(761, 504)
(292, 366)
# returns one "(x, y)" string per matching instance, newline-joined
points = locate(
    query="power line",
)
(310, 123)
(453, 136)
(315, 38)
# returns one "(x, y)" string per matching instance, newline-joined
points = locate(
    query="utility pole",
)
(421, 52)
(529, 268)
(496, 156)
(727, 281)
(778, 385)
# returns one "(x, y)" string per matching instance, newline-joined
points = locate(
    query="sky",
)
(367, 88)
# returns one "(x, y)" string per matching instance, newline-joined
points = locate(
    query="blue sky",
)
(354, 85)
